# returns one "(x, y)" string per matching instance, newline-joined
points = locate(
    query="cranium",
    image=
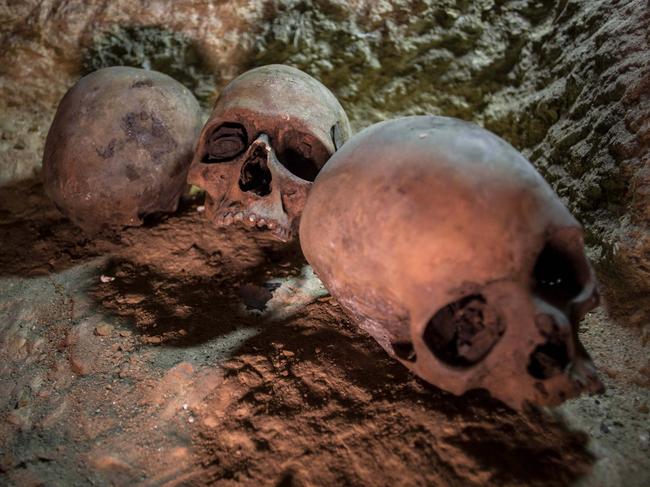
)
(446, 245)
(120, 146)
(270, 132)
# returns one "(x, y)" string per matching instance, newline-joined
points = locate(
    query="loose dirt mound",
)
(155, 373)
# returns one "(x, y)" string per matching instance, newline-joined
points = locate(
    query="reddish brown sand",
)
(158, 378)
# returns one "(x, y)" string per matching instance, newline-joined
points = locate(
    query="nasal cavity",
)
(255, 175)
(551, 358)
(462, 333)
(404, 350)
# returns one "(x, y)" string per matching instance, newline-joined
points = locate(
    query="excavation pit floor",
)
(180, 354)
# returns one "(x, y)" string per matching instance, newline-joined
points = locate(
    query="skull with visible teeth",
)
(444, 243)
(271, 131)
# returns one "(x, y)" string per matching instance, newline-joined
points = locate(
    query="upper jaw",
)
(252, 219)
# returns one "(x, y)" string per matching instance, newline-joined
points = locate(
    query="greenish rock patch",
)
(155, 48)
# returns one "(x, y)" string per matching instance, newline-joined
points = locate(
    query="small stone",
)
(210, 422)
(22, 403)
(16, 345)
(133, 299)
(81, 364)
(255, 297)
(200, 209)
(109, 463)
(153, 340)
(104, 330)
(287, 353)
(610, 372)
(106, 279)
(125, 333)
(84, 348)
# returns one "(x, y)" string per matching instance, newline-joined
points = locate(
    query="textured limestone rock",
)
(565, 81)
(172, 53)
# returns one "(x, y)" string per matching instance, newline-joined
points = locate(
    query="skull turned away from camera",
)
(446, 245)
(271, 131)
(120, 147)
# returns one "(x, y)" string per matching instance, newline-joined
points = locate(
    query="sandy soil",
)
(130, 360)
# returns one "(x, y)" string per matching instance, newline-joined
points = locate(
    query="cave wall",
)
(567, 82)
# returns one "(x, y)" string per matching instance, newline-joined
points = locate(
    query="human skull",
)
(271, 131)
(120, 146)
(445, 244)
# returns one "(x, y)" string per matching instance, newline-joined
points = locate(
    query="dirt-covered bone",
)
(120, 147)
(446, 245)
(271, 131)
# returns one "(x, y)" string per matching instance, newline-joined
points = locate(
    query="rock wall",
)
(565, 81)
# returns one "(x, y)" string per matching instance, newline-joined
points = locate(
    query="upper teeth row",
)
(251, 219)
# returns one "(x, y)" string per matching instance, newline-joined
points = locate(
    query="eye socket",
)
(303, 155)
(555, 276)
(227, 142)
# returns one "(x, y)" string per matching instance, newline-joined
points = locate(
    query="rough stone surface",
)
(172, 53)
(566, 82)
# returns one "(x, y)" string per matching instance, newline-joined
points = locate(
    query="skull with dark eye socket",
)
(457, 257)
(225, 143)
(271, 131)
